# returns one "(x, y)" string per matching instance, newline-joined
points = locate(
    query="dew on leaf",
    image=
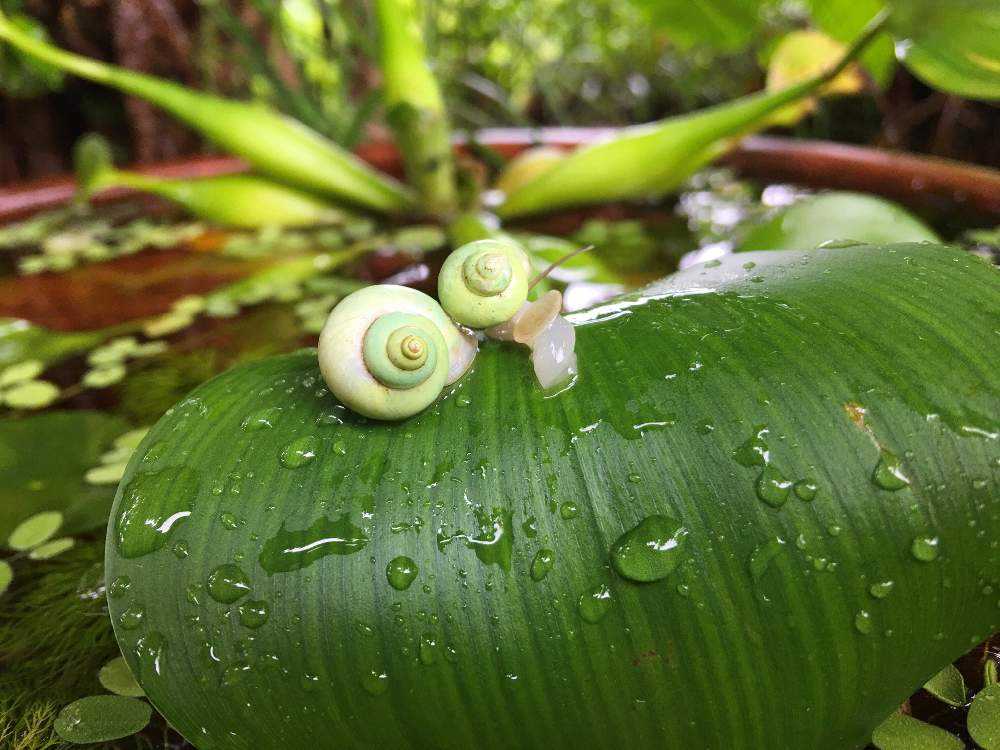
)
(228, 583)
(925, 548)
(401, 572)
(650, 551)
(595, 604)
(541, 564)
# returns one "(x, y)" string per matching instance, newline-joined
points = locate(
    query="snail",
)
(388, 351)
(551, 338)
(484, 283)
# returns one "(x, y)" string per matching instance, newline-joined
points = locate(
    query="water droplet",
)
(131, 617)
(293, 550)
(530, 527)
(595, 604)
(805, 489)
(881, 589)
(889, 472)
(229, 520)
(150, 650)
(542, 563)
(401, 572)
(925, 548)
(143, 524)
(863, 622)
(254, 614)
(428, 650)
(181, 549)
(568, 510)
(261, 420)
(375, 682)
(650, 551)
(300, 451)
(228, 583)
(762, 556)
(754, 451)
(119, 586)
(234, 673)
(340, 448)
(772, 487)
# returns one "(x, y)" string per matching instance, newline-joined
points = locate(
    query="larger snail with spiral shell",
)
(387, 352)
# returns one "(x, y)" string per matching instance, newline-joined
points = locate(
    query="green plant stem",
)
(653, 159)
(272, 143)
(415, 106)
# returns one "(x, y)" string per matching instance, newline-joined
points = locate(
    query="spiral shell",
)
(387, 351)
(485, 282)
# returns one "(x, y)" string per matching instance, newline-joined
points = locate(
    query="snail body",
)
(388, 351)
(484, 283)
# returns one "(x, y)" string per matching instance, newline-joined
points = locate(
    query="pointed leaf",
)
(948, 685)
(902, 732)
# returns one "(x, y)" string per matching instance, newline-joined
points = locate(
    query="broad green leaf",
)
(947, 685)
(719, 24)
(902, 732)
(844, 20)
(101, 718)
(6, 576)
(830, 217)
(43, 460)
(743, 405)
(116, 678)
(35, 530)
(954, 46)
(984, 718)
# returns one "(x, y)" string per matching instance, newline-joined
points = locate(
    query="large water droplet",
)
(595, 604)
(754, 451)
(228, 583)
(401, 572)
(568, 510)
(925, 548)
(375, 681)
(762, 556)
(149, 651)
(542, 563)
(650, 551)
(152, 505)
(888, 472)
(293, 550)
(300, 451)
(805, 489)
(772, 487)
(863, 622)
(254, 614)
(131, 617)
(881, 589)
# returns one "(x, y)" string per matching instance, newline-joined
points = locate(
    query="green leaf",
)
(902, 732)
(52, 548)
(726, 25)
(844, 20)
(947, 685)
(22, 75)
(101, 718)
(830, 217)
(954, 46)
(116, 678)
(984, 718)
(743, 405)
(43, 460)
(35, 530)
(6, 576)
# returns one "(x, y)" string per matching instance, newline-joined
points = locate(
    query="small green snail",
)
(388, 351)
(484, 283)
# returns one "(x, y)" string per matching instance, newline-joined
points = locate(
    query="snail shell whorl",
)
(483, 283)
(387, 351)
